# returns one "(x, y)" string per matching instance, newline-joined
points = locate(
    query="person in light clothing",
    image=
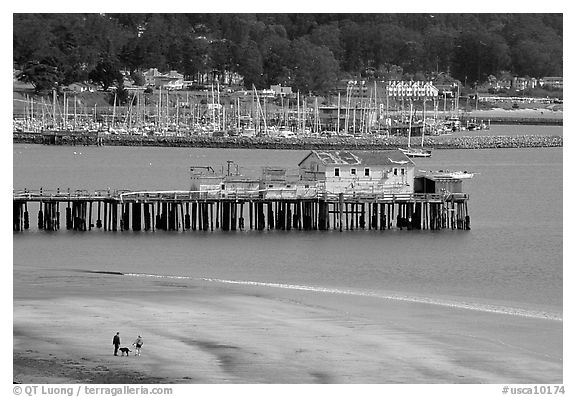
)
(138, 344)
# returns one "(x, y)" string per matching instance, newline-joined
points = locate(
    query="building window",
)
(402, 171)
(366, 171)
(395, 171)
(336, 171)
(353, 171)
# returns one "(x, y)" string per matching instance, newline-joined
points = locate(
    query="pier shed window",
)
(336, 171)
(366, 171)
(352, 171)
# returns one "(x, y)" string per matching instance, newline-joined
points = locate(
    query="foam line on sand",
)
(404, 298)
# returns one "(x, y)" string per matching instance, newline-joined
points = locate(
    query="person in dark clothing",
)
(116, 343)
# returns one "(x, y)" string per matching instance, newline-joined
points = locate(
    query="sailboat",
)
(415, 152)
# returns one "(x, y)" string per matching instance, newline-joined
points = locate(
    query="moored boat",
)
(416, 152)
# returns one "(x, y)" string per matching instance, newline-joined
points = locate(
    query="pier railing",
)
(127, 196)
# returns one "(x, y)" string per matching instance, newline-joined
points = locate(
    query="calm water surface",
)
(511, 257)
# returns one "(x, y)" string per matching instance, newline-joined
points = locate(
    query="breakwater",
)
(436, 142)
(525, 121)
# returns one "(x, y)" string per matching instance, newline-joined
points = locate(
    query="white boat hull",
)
(416, 152)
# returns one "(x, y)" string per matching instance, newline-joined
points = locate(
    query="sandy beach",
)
(207, 332)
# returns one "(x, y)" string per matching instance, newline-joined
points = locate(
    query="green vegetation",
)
(306, 51)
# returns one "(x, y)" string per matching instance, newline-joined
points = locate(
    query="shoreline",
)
(201, 332)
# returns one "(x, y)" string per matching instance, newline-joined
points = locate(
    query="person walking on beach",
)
(138, 344)
(116, 343)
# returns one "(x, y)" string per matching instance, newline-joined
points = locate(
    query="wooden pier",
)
(229, 211)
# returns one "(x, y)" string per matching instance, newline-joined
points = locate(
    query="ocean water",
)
(510, 262)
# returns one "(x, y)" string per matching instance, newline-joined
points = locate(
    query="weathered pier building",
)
(340, 190)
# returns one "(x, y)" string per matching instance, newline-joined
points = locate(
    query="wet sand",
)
(206, 332)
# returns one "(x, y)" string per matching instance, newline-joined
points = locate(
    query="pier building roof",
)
(360, 157)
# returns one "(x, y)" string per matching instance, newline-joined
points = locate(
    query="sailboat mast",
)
(338, 119)
(114, 110)
(423, 121)
(53, 108)
(410, 124)
(298, 112)
(177, 114)
(238, 112)
(220, 117)
(213, 115)
(159, 107)
(75, 113)
(65, 112)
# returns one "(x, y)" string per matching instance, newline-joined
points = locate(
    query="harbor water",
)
(511, 260)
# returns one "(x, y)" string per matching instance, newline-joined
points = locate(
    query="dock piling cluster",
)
(170, 212)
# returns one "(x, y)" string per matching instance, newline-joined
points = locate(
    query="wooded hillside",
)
(306, 51)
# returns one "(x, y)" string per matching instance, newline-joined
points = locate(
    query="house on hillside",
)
(553, 82)
(80, 87)
(447, 90)
(344, 171)
(523, 83)
(150, 76)
(281, 91)
(170, 81)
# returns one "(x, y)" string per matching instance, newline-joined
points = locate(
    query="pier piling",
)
(171, 212)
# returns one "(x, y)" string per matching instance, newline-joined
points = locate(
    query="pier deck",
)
(227, 210)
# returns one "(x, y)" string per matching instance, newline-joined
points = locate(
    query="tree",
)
(471, 46)
(106, 74)
(138, 78)
(196, 58)
(32, 38)
(313, 67)
(390, 72)
(479, 54)
(121, 95)
(438, 46)
(250, 65)
(329, 36)
(44, 75)
(222, 56)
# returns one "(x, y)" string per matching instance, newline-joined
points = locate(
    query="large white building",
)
(344, 171)
(411, 89)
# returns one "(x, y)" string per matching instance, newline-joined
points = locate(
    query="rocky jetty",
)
(436, 142)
